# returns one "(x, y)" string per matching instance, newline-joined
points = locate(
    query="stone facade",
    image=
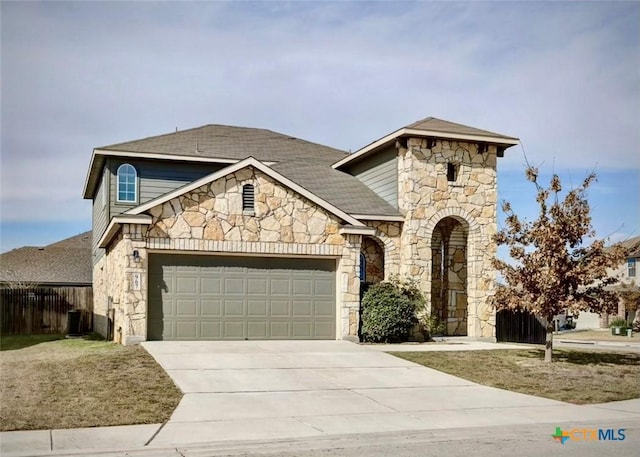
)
(211, 219)
(426, 196)
(447, 190)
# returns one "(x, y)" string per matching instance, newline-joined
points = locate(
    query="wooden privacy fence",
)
(44, 309)
(520, 327)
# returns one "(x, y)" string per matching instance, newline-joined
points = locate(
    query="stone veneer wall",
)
(211, 219)
(426, 197)
(388, 233)
(374, 256)
(100, 297)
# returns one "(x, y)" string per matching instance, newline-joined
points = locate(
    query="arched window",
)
(248, 198)
(363, 268)
(127, 181)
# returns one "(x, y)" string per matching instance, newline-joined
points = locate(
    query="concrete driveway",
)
(257, 390)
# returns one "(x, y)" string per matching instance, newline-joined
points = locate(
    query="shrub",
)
(389, 311)
(618, 322)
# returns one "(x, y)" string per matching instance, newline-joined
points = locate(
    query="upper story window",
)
(127, 182)
(248, 198)
(631, 268)
(452, 172)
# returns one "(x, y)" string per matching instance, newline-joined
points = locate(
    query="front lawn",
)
(578, 377)
(72, 383)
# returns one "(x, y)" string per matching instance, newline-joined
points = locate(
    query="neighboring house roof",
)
(632, 246)
(434, 128)
(64, 262)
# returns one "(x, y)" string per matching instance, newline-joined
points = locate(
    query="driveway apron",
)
(256, 390)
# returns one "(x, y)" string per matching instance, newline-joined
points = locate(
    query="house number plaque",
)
(136, 281)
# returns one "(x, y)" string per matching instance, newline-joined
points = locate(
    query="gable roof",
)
(434, 128)
(248, 162)
(214, 143)
(632, 246)
(65, 262)
(305, 163)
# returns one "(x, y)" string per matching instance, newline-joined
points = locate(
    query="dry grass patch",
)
(596, 335)
(78, 383)
(578, 377)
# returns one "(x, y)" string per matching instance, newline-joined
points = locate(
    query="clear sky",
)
(563, 77)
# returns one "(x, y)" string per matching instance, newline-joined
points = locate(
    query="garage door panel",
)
(302, 329)
(234, 286)
(211, 330)
(186, 285)
(280, 330)
(187, 308)
(234, 308)
(302, 308)
(233, 330)
(210, 308)
(324, 329)
(187, 329)
(324, 288)
(257, 330)
(210, 285)
(258, 308)
(280, 308)
(280, 286)
(217, 297)
(302, 286)
(257, 286)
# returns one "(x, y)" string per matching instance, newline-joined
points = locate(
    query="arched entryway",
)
(372, 255)
(449, 274)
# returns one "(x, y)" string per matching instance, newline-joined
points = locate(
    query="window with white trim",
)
(127, 184)
(631, 268)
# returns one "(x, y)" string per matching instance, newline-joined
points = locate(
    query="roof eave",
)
(116, 223)
(504, 141)
(89, 189)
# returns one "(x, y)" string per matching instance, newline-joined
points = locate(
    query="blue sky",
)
(563, 77)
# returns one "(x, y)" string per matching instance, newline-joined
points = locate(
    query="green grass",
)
(69, 383)
(13, 342)
(578, 377)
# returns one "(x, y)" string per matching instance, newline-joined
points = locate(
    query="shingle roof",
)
(632, 246)
(307, 164)
(64, 262)
(228, 142)
(438, 125)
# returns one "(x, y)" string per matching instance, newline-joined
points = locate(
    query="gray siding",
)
(100, 215)
(155, 178)
(380, 174)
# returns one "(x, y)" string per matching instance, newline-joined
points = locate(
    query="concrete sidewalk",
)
(275, 390)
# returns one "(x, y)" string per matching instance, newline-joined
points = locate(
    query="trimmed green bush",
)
(388, 313)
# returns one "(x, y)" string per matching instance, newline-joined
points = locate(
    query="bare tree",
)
(554, 268)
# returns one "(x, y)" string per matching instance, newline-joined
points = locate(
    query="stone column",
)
(349, 271)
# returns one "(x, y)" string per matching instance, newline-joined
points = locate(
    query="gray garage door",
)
(195, 297)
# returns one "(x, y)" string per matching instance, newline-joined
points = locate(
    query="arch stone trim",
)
(474, 227)
(391, 253)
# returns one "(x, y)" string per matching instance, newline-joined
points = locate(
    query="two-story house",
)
(225, 232)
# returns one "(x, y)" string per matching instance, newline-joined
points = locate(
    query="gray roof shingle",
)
(64, 262)
(307, 164)
(228, 142)
(438, 125)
